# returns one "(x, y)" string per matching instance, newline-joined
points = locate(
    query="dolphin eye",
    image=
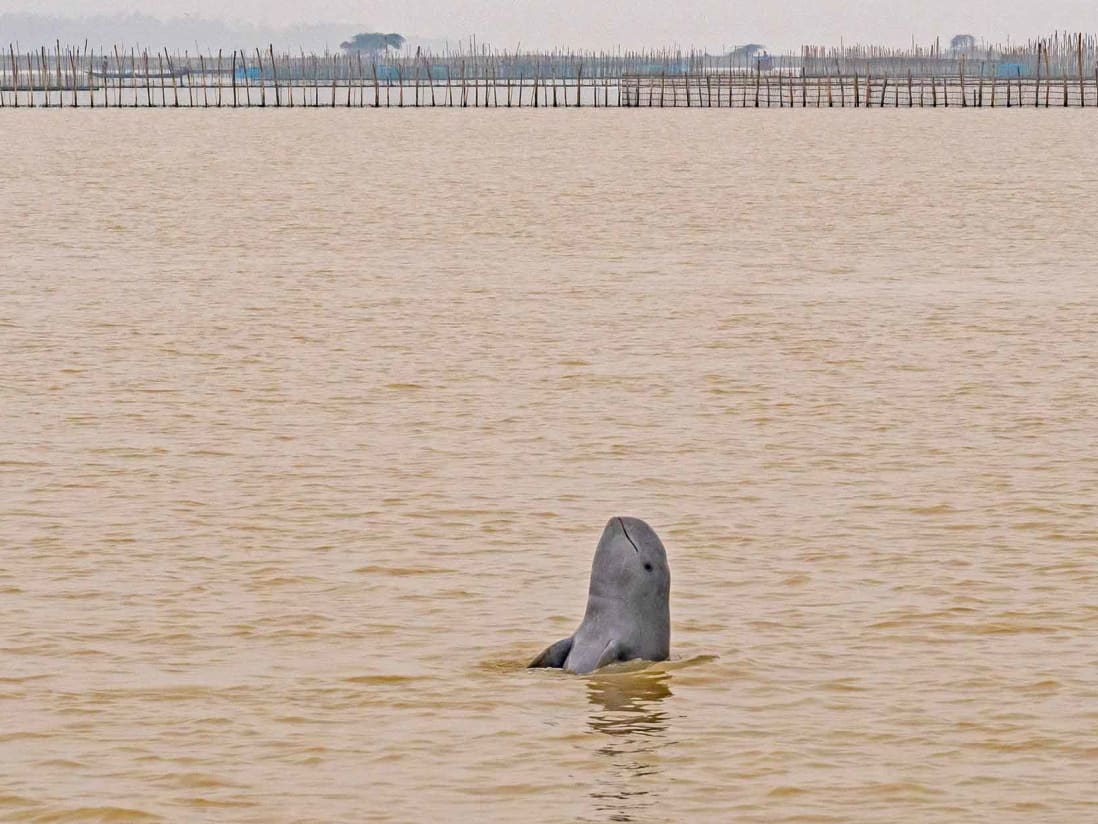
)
(648, 566)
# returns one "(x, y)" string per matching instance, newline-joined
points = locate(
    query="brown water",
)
(311, 421)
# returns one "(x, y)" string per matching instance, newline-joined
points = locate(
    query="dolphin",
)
(628, 615)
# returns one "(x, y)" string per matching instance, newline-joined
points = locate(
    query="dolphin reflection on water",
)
(629, 703)
(627, 709)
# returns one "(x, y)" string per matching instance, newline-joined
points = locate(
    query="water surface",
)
(312, 420)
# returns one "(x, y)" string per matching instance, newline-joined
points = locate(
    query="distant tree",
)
(372, 42)
(747, 50)
(963, 43)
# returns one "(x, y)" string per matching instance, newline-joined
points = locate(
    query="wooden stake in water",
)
(274, 75)
(190, 80)
(148, 79)
(175, 86)
(1048, 78)
(44, 75)
(964, 97)
(72, 75)
(60, 82)
(1037, 93)
(1079, 54)
(362, 81)
(14, 75)
(332, 71)
(262, 81)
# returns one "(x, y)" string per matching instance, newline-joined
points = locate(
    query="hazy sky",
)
(607, 23)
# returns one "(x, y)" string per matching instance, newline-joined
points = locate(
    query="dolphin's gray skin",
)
(628, 615)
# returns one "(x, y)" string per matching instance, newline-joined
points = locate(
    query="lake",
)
(312, 420)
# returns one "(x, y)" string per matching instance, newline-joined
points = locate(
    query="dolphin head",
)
(631, 564)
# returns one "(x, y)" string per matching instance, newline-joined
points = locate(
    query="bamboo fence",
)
(1058, 71)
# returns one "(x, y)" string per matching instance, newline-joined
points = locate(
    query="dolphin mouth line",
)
(626, 533)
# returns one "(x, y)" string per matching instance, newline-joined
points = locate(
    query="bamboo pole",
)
(175, 86)
(60, 82)
(30, 83)
(288, 79)
(160, 78)
(1037, 93)
(14, 75)
(262, 80)
(190, 82)
(347, 81)
(107, 80)
(1048, 78)
(964, 97)
(44, 75)
(316, 81)
(1079, 55)
(148, 79)
(274, 75)
(362, 82)
(72, 76)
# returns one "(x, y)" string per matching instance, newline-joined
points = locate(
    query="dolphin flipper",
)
(584, 660)
(609, 655)
(554, 656)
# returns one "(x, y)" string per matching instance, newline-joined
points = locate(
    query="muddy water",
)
(311, 421)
